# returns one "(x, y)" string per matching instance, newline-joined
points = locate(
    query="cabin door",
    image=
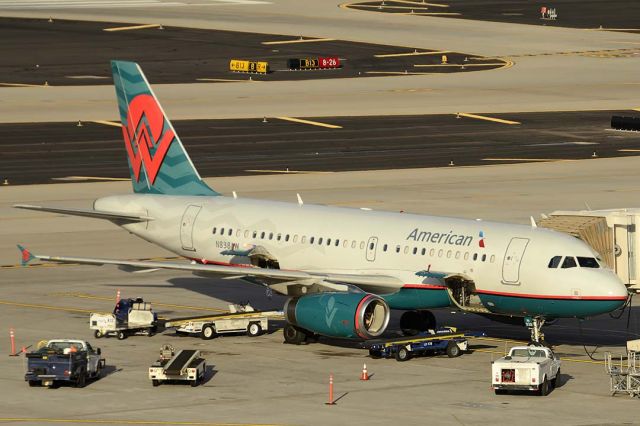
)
(372, 244)
(512, 260)
(186, 226)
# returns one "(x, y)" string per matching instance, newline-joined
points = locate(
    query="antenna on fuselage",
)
(533, 222)
(300, 202)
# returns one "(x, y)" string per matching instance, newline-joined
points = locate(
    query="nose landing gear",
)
(535, 326)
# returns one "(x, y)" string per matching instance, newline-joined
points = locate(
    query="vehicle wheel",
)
(34, 383)
(81, 381)
(195, 382)
(54, 385)
(208, 332)
(293, 335)
(403, 354)
(98, 334)
(374, 353)
(544, 388)
(556, 379)
(254, 329)
(122, 335)
(500, 392)
(155, 383)
(453, 350)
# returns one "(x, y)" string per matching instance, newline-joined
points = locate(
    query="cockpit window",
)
(569, 262)
(588, 262)
(555, 261)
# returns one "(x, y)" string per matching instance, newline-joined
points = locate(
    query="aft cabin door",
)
(512, 260)
(186, 227)
(372, 244)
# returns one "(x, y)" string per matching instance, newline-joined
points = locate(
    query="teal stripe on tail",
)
(158, 161)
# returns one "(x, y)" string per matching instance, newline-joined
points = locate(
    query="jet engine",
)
(336, 314)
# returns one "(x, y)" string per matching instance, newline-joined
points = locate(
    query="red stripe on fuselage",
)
(545, 296)
(425, 286)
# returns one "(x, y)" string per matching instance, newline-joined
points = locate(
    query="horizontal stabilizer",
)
(127, 217)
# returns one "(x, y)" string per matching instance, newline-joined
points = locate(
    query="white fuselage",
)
(501, 259)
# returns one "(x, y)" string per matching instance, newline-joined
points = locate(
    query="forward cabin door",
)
(186, 226)
(372, 244)
(512, 259)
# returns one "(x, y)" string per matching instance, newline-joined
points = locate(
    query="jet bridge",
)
(611, 233)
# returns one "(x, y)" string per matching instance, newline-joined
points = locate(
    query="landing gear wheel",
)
(500, 392)
(254, 329)
(544, 388)
(294, 335)
(403, 354)
(98, 334)
(155, 383)
(208, 332)
(122, 335)
(375, 354)
(34, 383)
(195, 382)
(453, 350)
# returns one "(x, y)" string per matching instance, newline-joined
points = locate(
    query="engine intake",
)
(337, 314)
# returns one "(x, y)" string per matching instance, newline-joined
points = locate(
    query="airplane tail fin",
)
(158, 162)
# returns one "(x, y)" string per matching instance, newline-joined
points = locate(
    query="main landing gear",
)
(414, 322)
(297, 336)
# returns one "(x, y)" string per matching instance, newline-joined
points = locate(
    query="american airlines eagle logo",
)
(481, 239)
(146, 139)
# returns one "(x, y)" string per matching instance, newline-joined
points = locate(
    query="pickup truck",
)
(529, 368)
(63, 360)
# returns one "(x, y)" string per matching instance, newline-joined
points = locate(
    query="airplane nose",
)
(616, 290)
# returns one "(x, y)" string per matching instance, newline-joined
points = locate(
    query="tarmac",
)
(58, 152)
(260, 380)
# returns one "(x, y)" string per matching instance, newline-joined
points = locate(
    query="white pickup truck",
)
(531, 368)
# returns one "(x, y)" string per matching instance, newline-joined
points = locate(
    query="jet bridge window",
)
(588, 262)
(555, 261)
(569, 262)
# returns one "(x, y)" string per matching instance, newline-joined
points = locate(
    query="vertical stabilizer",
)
(158, 161)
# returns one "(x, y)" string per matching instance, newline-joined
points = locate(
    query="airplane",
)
(343, 269)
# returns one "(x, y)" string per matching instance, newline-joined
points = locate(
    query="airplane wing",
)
(278, 279)
(87, 213)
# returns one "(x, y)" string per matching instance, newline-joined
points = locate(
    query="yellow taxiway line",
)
(486, 118)
(22, 85)
(312, 123)
(415, 53)
(299, 40)
(122, 422)
(635, 109)
(48, 307)
(108, 123)
(133, 27)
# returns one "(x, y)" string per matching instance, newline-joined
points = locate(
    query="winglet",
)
(25, 255)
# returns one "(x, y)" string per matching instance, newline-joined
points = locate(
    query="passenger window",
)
(286, 237)
(555, 261)
(230, 232)
(361, 245)
(214, 230)
(328, 241)
(384, 247)
(262, 234)
(466, 255)
(303, 239)
(440, 253)
(448, 254)
(484, 257)
(432, 252)
(397, 249)
(311, 240)
(415, 250)
(588, 262)
(424, 251)
(221, 231)
(337, 242)
(238, 232)
(406, 249)
(371, 245)
(271, 235)
(255, 234)
(353, 244)
(295, 238)
(279, 237)
(345, 243)
(475, 256)
(493, 258)
(569, 262)
(457, 255)
(246, 234)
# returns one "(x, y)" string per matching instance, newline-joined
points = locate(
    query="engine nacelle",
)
(338, 314)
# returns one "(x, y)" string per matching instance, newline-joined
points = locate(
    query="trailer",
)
(442, 340)
(184, 366)
(129, 317)
(239, 319)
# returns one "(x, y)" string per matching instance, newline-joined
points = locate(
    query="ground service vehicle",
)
(184, 366)
(531, 368)
(443, 340)
(130, 316)
(63, 360)
(240, 319)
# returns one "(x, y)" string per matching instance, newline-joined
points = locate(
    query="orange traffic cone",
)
(365, 374)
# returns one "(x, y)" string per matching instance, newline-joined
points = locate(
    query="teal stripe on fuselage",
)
(417, 298)
(554, 308)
